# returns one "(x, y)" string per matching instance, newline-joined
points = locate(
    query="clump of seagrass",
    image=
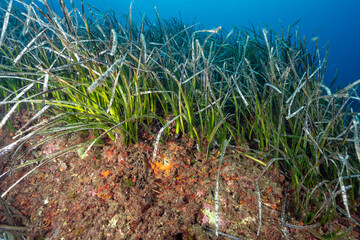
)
(92, 72)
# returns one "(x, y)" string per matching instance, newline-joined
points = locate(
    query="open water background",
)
(335, 22)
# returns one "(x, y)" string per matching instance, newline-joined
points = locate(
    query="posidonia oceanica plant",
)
(88, 71)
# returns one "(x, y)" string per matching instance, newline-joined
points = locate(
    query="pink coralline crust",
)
(209, 206)
(51, 147)
(205, 219)
(200, 193)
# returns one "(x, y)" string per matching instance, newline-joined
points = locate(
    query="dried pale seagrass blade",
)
(102, 78)
(5, 23)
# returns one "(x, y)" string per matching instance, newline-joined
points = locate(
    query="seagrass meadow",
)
(250, 92)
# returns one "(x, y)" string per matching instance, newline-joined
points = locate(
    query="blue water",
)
(337, 21)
